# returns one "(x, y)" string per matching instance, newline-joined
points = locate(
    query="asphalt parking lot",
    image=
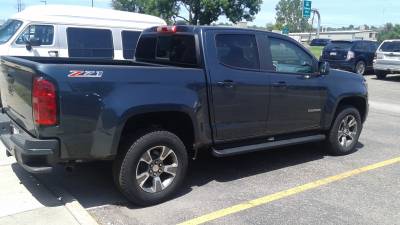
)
(368, 197)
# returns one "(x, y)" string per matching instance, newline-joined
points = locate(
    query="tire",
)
(144, 157)
(338, 140)
(380, 75)
(360, 67)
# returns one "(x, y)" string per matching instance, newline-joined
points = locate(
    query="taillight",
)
(167, 29)
(350, 55)
(44, 103)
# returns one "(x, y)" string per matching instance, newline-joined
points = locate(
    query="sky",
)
(334, 13)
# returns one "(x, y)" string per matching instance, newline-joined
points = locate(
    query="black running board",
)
(265, 146)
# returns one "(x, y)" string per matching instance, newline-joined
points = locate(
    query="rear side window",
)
(360, 46)
(129, 42)
(390, 46)
(340, 45)
(44, 33)
(90, 43)
(170, 49)
(238, 50)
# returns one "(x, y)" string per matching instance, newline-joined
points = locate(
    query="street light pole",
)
(92, 4)
(319, 21)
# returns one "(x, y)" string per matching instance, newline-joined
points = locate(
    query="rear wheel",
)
(360, 67)
(152, 169)
(345, 131)
(381, 74)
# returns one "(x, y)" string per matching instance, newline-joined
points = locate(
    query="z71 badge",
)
(82, 73)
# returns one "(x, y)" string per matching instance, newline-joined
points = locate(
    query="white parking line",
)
(385, 106)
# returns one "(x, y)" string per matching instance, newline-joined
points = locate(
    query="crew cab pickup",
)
(190, 89)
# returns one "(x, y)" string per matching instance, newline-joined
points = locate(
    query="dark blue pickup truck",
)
(189, 89)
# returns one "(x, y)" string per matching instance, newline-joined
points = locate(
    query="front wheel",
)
(153, 168)
(345, 132)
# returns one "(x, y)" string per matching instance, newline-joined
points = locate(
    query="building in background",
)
(338, 35)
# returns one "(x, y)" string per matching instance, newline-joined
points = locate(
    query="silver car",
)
(387, 58)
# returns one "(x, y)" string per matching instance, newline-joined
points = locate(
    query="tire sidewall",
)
(335, 147)
(365, 67)
(127, 174)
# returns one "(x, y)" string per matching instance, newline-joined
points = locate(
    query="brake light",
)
(166, 29)
(350, 55)
(44, 104)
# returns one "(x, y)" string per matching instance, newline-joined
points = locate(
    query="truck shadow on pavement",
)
(92, 183)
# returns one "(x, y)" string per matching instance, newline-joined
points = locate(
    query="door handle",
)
(53, 53)
(280, 84)
(226, 83)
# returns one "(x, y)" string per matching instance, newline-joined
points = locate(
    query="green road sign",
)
(306, 9)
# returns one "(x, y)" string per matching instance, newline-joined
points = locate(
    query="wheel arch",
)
(359, 102)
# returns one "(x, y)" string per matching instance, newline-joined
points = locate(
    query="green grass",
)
(316, 50)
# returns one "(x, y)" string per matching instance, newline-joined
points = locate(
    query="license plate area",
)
(333, 54)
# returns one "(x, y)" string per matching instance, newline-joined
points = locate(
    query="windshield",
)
(390, 46)
(342, 45)
(8, 29)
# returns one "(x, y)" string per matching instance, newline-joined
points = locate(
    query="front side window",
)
(43, 33)
(8, 29)
(289, 58)
(90, 43)
(129, 41)
(238, 50)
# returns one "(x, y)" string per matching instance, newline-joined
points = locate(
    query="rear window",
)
(342, 45)
(390, 46)
(171, 49)
(90, 43)
(129, 41)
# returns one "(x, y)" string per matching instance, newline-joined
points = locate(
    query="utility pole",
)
(19, 5)
(92, 4)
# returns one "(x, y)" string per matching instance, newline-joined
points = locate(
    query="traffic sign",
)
(306, 9)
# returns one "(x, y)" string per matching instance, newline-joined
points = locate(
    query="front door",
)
(297, 92)
(44, 34)
(239, 90)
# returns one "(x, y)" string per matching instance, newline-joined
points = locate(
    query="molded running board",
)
(265, 146)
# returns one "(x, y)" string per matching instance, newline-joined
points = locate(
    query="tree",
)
(289, 13)
(197, 11)
(389, 31)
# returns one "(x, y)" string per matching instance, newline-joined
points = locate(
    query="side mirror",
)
(323, 68)
(33, 41)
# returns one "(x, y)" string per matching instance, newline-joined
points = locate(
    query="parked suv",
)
(355, 56)
(387, 58)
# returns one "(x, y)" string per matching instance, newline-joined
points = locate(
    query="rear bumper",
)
(342, 64)
(34, 155)
(387, 67)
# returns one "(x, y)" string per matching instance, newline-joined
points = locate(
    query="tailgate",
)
(16, 93)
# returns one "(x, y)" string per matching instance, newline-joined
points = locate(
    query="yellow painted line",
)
(286, 193)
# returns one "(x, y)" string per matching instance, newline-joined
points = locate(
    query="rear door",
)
(297, 93)
(45, 33)
(239, 89)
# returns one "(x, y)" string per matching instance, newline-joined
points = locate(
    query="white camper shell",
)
(74, 31)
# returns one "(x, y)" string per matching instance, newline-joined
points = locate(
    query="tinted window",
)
(238, 50)
(129, 41)
(44, 33)
(341, 45)
(8, 29)
(390, 46)
(95, 43)
(170, 49)
(360, 46)
(288, 57)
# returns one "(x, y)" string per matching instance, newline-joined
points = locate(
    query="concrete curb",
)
(73, 206)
